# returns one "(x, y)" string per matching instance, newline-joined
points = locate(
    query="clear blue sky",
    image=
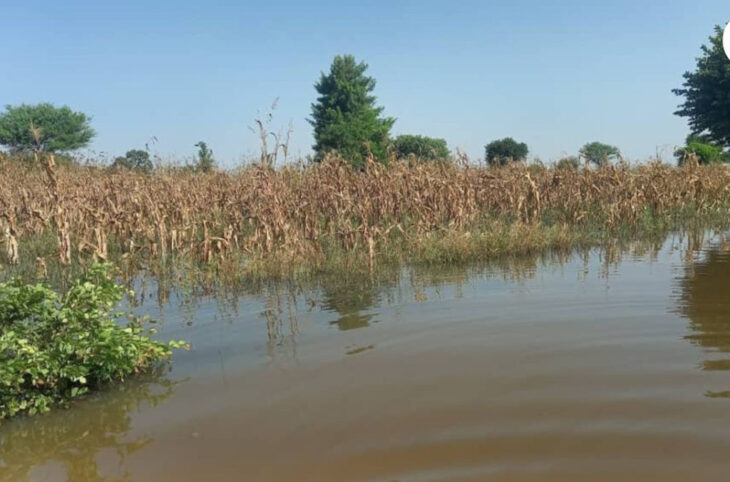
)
(553, 74)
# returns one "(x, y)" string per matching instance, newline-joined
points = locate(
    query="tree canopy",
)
(204, 162)
(134, 160)
(44, 128)
(421, 147)
(503, 151)
(706, 93)
(345, 117)
(598, 153)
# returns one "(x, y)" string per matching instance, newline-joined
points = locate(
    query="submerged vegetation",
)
(54, 348)
(272, 221)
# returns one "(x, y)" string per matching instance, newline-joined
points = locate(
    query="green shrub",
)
(421, 147)
(703, 149)
(54, 348)
(568, 162)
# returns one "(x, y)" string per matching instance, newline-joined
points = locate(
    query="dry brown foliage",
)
(302, 212)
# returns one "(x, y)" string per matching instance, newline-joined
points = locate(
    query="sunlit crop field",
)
(303, 214)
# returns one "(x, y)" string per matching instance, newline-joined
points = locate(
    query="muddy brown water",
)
(601, 365)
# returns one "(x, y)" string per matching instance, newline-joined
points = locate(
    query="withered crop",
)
(296, 215)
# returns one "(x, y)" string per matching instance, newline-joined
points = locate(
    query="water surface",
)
(602, 365)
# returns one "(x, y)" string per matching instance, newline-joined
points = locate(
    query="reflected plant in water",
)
(74, 438)
(723, 394)
(350, 297)
(705, 302)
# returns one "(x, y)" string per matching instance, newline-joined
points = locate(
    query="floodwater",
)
(600, 365)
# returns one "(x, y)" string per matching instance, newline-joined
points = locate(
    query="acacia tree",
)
(707, 93)
(44, 128)
(503, 151)
(598, 153)
(345, 118)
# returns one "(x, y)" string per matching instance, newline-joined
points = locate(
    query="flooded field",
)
(601, 365)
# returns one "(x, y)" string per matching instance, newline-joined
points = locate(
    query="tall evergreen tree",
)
(707, 93)
(345, 118)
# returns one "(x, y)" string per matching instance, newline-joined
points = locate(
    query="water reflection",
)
(354, 296)
(563, 378)
(359, 349)
(350, 297)
(705, 300)
(282, 327)
(74, 438)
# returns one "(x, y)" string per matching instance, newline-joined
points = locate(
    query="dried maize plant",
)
(7, 226)
(297, 212)
(11, 243)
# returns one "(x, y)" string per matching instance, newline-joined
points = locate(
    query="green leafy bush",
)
(421, 147)
(54, 348)
(706, 151)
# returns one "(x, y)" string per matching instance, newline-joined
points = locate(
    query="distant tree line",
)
(348, 122)
(28, 131)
